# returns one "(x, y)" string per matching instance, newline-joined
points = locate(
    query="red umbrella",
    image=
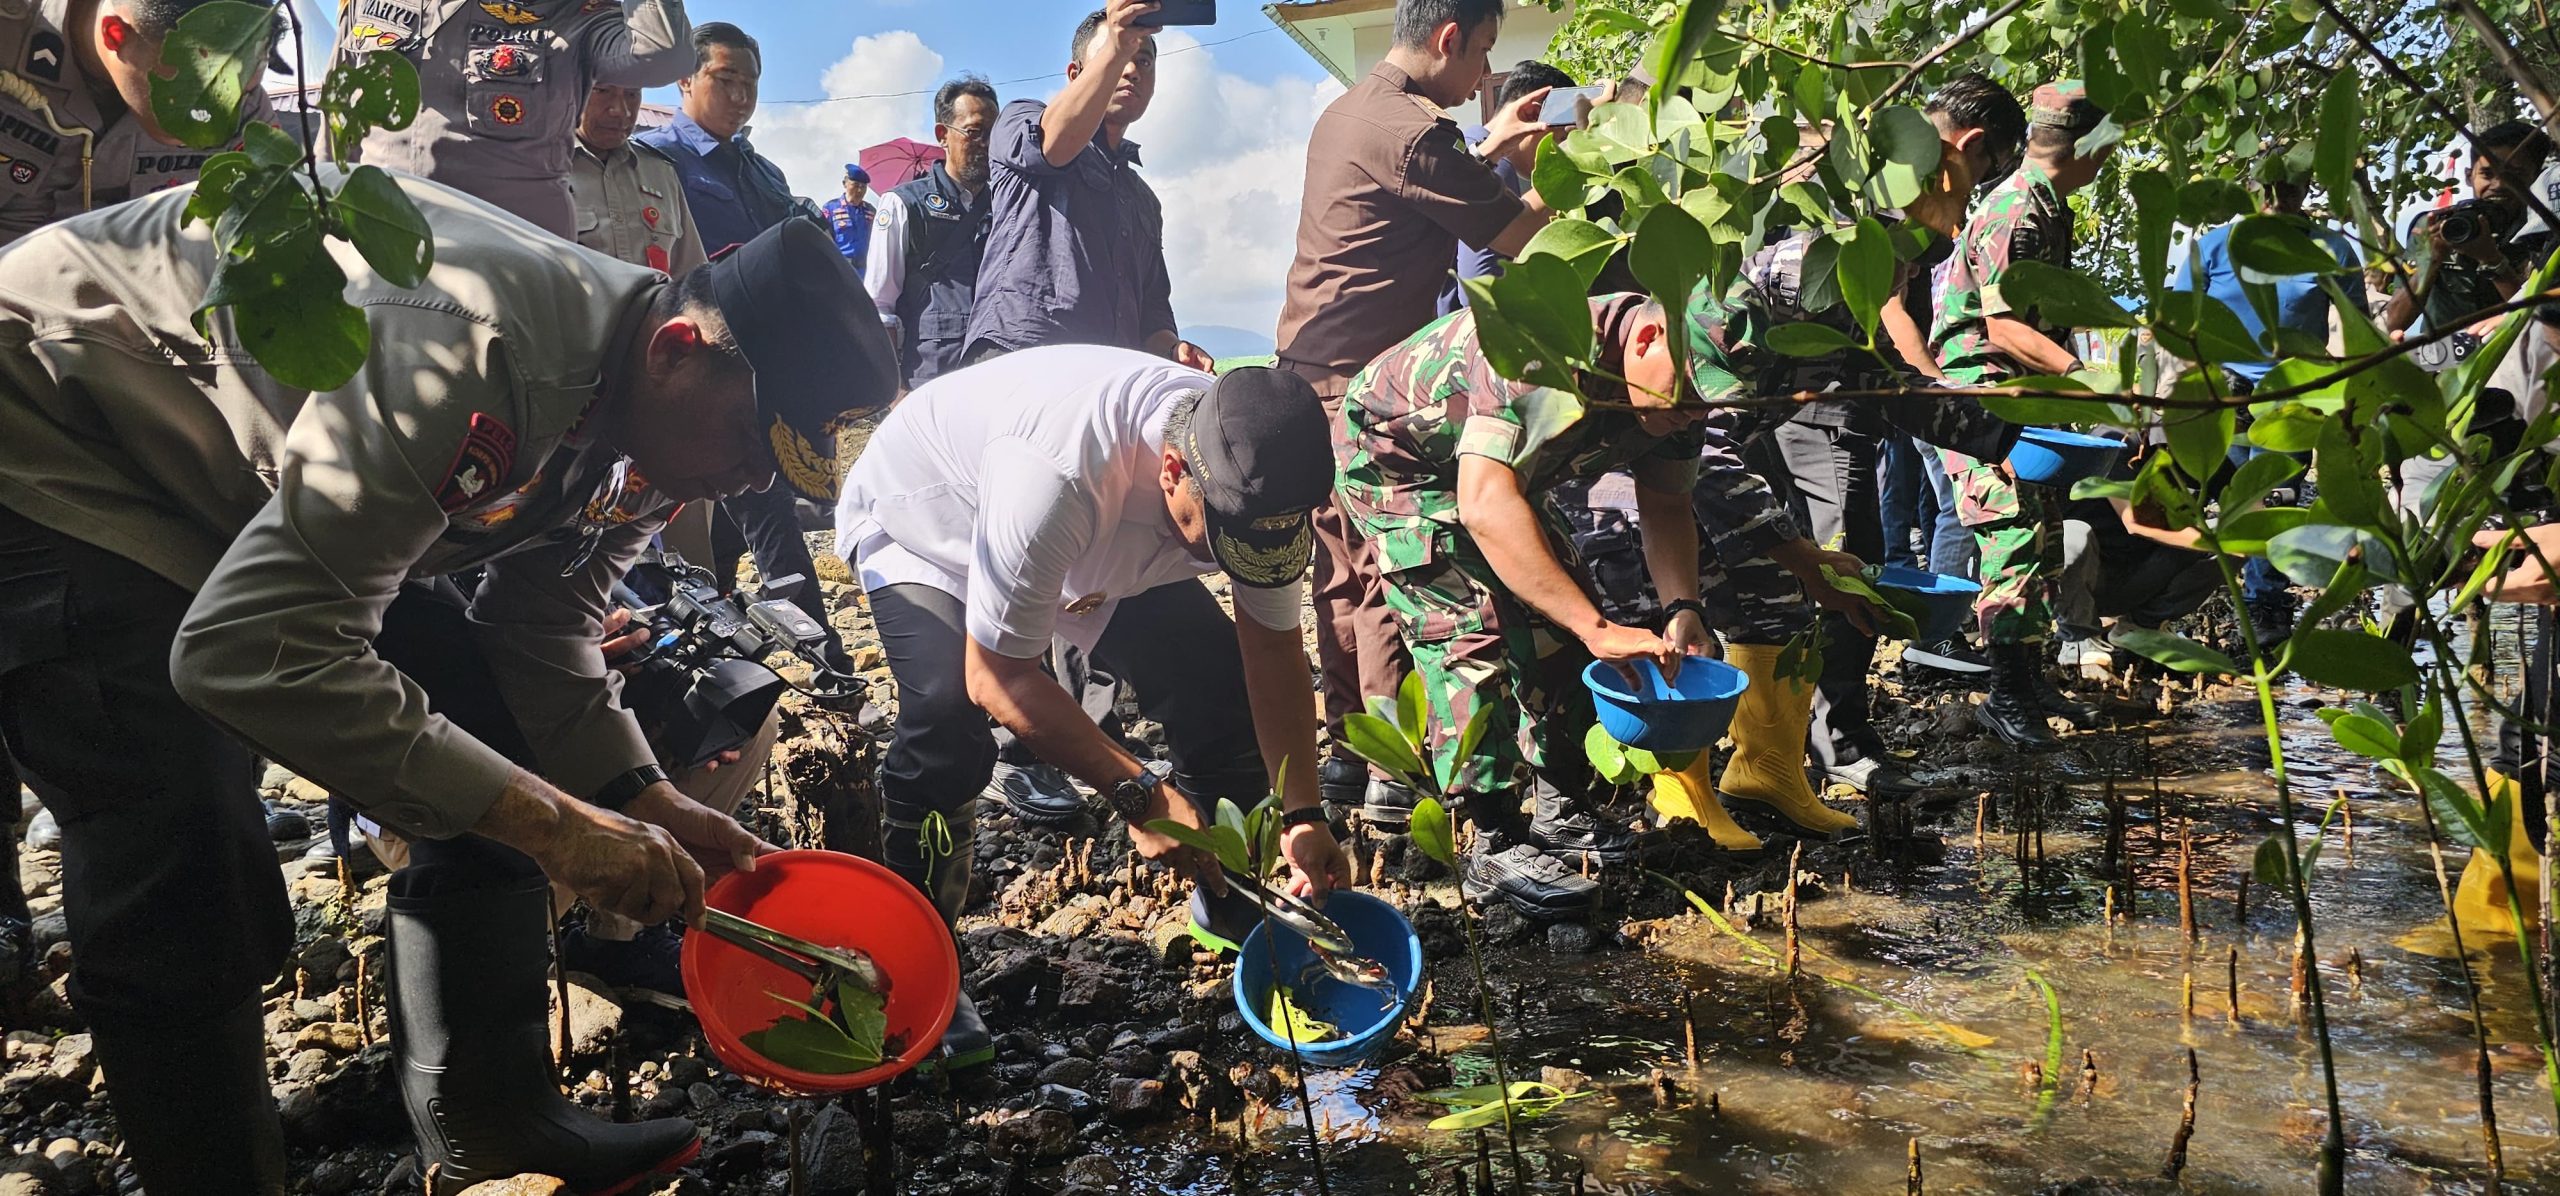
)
(895, 162)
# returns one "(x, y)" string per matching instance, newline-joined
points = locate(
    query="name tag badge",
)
(385, 24)
(1087, 604)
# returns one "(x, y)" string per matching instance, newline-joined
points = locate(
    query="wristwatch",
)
(1132, 799)
(1310, 816)
(1672, 610)
(619, 791)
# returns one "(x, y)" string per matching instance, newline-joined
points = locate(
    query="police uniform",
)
(630, 206)
(924, 268)
(59, 154)
(179, 531)
(502, 83)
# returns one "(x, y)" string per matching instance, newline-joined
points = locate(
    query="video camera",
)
(700, 686)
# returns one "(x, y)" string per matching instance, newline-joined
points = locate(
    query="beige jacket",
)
(297, 516)
(631, 206)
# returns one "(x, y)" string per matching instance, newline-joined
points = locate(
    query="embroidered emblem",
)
(22, 173)
(44, 55)
(510, 12)
(506, 60)
(376, 34)
(488, 451)
(657, 257)
(507, 110)
(937, 201)
(809, 470)
(649, 215)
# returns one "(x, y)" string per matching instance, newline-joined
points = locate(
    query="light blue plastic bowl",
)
(1684, 716)
(1367, 1018)
(2057, 457)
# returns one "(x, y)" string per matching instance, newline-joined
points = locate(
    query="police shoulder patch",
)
(487, 454)
(938, 201)
(45, 50)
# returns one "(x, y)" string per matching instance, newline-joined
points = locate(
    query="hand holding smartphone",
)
(1181, 12)
(1568, 107)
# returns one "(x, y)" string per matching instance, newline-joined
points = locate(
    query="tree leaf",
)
(216, 53)
(1413, 710)
(2349, 483)
(1468, 740)
(2350, 660)
(2269, 863)
(1906, 149)
(366, 92)
(381, 222)
(2418, 740)
(2257, 477)
(2342, 134)
(2175, 651)
(1534, 322)
(1671, 254)
(1430, 831)
(1866, 270)
(1807, 339)
(1578, 243)
(1608, 757)
(304, 333)
(2366, 736)
(1559, 179)
(2277, 247)
(2200, 441)
(2063, 297)
(268, 145)
(2311, 554)
(2207, 202)
(2458, 814)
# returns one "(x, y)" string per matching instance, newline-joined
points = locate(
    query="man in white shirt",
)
(1079, 492)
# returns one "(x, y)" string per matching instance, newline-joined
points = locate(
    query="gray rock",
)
(1074, 1102)
(49, 928)
(1134, 1061)
(30, 1175)
(309, 1066)
(1093, 1171)
(1136, 1102)
(1091, 990)
(44, 832)
(594, 1016)
(1031, 1135)
(1569, 938)
(335, 1177)
(73, 1059)
(1072, 1072)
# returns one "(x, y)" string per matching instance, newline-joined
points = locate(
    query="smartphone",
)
(1566, 107)
(1181, 12)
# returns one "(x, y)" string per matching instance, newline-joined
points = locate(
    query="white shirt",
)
(1027, 487)
(884, 274)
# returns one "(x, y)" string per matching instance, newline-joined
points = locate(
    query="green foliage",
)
(273, 214)
(1484, 1104)
(2175, 651)
(1296, 1025)
(848, 1039)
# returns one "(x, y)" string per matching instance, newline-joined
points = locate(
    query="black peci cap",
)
(808, 330)
(1260, 449)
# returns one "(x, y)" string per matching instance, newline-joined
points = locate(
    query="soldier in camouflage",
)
(1449, 470)
(1980, 338)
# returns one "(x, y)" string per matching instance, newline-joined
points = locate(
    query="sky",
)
(1224, 143)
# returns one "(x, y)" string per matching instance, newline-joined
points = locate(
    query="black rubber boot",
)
(470, 1025)
(1388, 805)
(1568, 827)
(1341, 783)
(2012, 709)
(192, 1102)
(2049, 696)
(937, 853)
(1506, 864)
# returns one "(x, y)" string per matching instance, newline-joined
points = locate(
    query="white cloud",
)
(812, 142)
(1226, 154)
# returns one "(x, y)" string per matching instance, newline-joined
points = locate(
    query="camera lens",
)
(2459, 228)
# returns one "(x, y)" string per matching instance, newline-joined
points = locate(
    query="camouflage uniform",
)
(1407, 419)
(2024, 219)
(1746, 496)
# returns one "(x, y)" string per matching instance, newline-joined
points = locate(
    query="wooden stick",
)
(1689, 1025)
(2347, 815)
(2186, 880)
(2240, 907)
(1795, 960)
(2187, 995)
(2234, 974)
(2186, 1124)
(1911, 1178)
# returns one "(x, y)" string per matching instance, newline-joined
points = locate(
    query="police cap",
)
(808, 330)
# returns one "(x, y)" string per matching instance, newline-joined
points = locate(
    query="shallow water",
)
(1814, 1088)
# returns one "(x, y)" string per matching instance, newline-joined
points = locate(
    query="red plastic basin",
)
(836, 900)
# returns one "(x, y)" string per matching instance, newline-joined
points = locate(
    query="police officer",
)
(502, 83)
(630, 204)
(199, 560)
(848, 216)
(931, 231)
(76, 130)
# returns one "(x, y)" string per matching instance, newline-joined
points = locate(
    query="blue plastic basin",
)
(2056, 457)
(1684, 716)
(1367, 1017)
(1946, 601)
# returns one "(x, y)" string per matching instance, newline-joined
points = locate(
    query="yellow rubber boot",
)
(1689, 794)
(2480, 903)
(1768, 743)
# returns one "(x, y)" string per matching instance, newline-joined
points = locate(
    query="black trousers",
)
(768, 524)
(1831, 489)
(1172, 645)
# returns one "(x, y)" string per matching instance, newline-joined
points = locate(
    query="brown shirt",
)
(1391, 191)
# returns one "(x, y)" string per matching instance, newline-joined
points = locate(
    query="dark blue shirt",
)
(732, 191)
(851, 224)
(1075, 254)
(1475, 261)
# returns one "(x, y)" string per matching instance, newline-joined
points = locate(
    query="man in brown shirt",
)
(1392, 188)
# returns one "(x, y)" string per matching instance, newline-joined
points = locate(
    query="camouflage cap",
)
(2064, 104)
(1724, 343)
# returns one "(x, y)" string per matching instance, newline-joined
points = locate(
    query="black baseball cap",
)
(808, 330)
(1262, 453)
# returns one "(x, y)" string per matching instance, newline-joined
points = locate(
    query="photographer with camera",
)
(199, 560)
(1079, 491)
(2468, 258)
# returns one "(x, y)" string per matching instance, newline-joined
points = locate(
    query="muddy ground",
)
(1123, 1067)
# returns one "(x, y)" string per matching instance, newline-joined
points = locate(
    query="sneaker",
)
(1038, 794)
(2271, 618)
(1388, 805)
(1535, 883)
(1577, 834)
(648, 967)
(1342, 782)
(2088, 658)
(1948, 656)
(1881, 778)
